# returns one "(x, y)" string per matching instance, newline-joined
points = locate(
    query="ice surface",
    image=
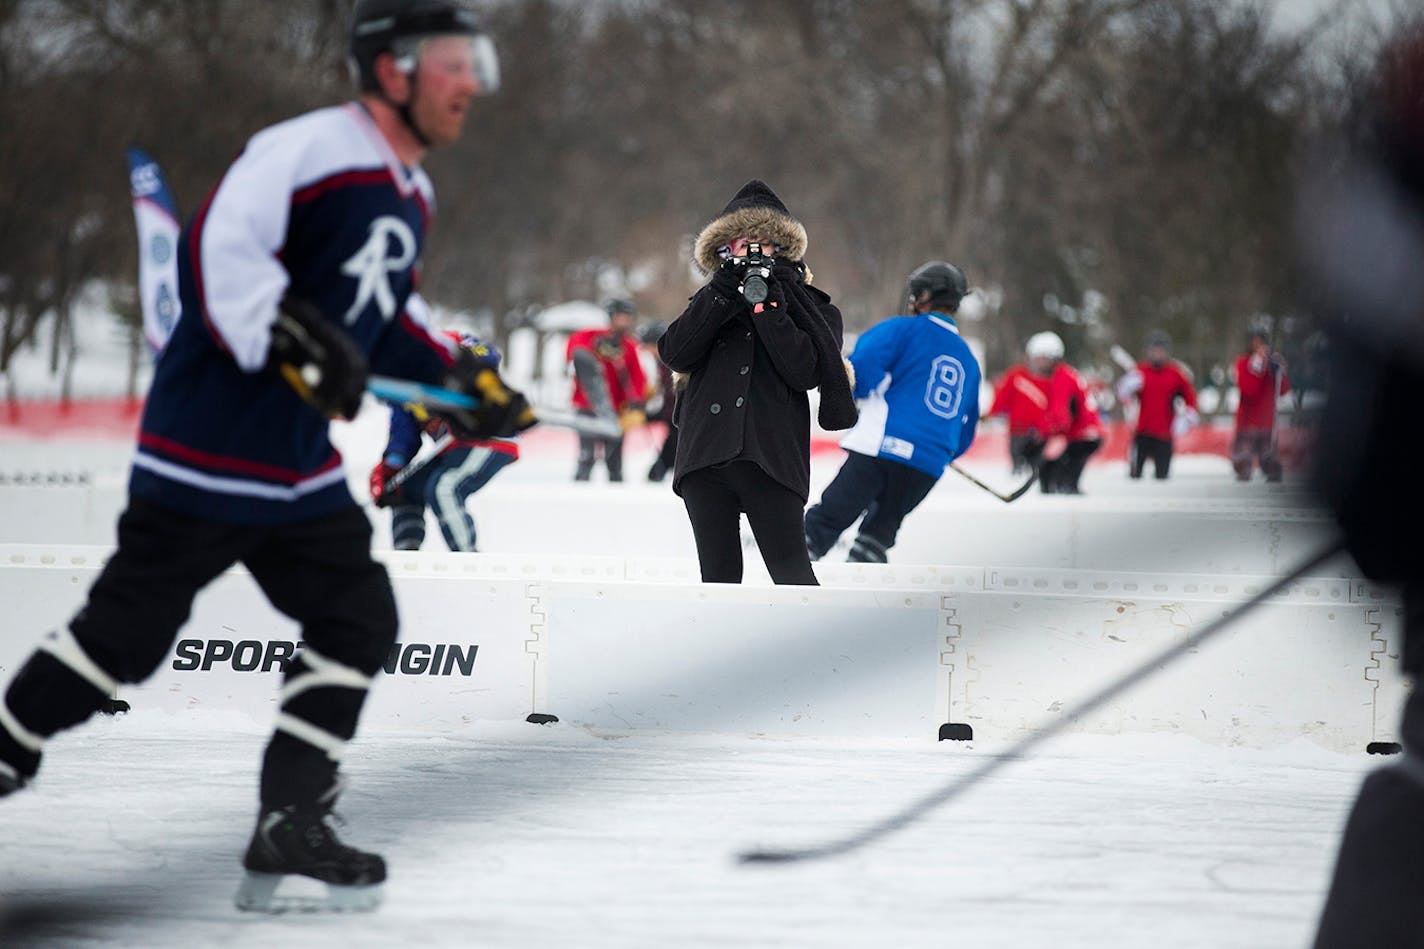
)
(515, 835)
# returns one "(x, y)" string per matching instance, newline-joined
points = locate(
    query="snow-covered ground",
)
(517, 835)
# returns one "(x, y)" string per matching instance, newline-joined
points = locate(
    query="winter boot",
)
(294, 842)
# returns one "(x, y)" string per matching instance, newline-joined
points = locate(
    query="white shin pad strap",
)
(322, 672)
(25, 738)
(316, 737)
(62, 645)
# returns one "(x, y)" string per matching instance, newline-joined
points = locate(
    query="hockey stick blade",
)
(1006, 498)
(595, 425)
(406, 391)
(1128, 680)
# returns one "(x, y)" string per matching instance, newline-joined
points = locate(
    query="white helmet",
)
(1044, 346)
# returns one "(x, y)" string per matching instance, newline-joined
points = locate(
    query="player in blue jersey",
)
(297, 278)
(919, 386)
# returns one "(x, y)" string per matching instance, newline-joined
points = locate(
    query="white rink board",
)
(782, 661)
(1286, 670)
(880, 650)
(463, 654)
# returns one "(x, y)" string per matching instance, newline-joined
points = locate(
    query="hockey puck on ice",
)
(956, 731)
(540, 718)
(1383, 748)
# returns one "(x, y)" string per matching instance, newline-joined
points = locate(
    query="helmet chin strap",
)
(403, 110)
(409, 120)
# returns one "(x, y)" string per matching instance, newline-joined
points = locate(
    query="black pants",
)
(716, 498)
(1157, 449)
(589, 447)
(1060, 476)
(319, 573)
(884, 490)
(1026, 451)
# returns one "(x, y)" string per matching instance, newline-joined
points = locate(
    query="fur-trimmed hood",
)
(755, 209)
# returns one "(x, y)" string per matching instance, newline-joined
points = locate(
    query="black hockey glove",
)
(318, 359)
(502, 411)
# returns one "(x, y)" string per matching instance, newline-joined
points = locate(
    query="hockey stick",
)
(419, 463)
(596, 425)
(404, 391)
(1006, 498)
(1128, 680)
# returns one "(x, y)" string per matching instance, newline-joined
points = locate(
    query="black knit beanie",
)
(756, 194)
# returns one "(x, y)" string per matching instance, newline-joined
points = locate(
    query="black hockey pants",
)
(1157, 449)
(1061, 475)
(715, 499)
(320, 573)
(590, 445)
(884, 490)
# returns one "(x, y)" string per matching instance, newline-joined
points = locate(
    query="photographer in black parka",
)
(746, 364)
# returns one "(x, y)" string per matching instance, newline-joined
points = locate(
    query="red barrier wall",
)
(118, 419)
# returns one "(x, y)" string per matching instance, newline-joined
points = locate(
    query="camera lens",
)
(754, 288)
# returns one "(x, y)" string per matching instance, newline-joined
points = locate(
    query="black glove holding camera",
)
(727, 280)
(501, 411)
(317, 359)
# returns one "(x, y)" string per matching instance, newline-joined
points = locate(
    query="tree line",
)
(1102, 168)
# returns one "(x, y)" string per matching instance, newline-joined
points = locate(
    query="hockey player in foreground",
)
(296, 276)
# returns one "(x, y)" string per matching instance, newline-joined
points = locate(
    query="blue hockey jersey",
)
(919, 389)
(319, 205)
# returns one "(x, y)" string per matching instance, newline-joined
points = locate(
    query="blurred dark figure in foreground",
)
(1362, 235)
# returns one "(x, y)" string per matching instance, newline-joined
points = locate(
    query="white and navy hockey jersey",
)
(919, 389)
(318, 205)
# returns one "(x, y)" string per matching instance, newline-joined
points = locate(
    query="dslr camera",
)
(756, 271)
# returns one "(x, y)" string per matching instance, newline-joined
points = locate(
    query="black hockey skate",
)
(296, 843)
(10, 779)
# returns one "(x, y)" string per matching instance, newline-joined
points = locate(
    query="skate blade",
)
(257, 893)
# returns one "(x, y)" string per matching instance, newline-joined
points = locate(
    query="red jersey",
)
(1022, 396)
(1257, 384)
(623, 371)
(1156, 400)
(1071, 411)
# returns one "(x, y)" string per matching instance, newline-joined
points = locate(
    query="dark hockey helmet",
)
(1159, 338)
(621, 305)
(395, 26)
(944, 283)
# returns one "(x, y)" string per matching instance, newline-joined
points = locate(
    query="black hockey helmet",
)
(1159, 338)
(621, 305)
(380, 26)
(943, 282)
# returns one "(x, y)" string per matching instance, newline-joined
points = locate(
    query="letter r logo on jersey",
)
(390, 246)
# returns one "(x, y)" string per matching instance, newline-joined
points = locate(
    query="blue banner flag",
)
(156, 216)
